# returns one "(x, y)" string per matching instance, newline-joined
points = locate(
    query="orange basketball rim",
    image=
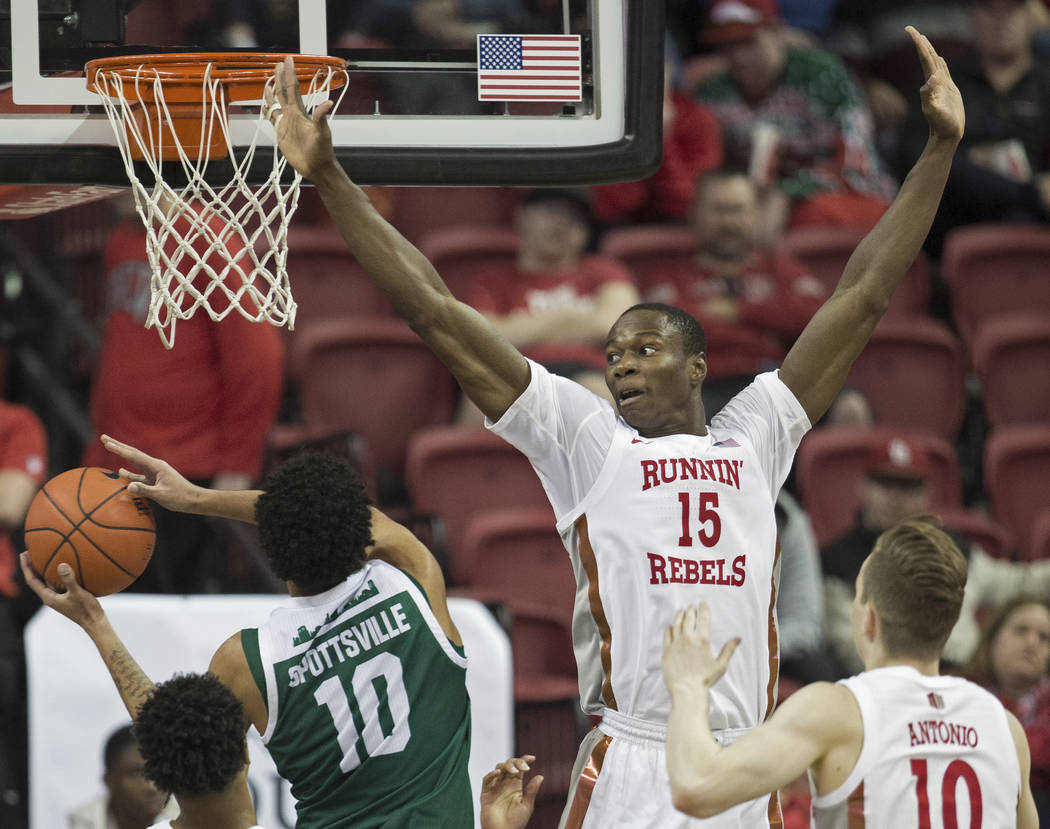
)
(177, 91)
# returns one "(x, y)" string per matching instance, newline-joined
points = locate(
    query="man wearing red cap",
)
(895, 487)
(796, 120)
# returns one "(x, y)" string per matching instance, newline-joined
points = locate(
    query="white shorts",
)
(620, 782)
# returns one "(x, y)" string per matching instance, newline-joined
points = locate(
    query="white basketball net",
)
(217, 249)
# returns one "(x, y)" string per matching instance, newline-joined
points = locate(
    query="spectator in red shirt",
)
(1012, 659)
(556, 303)
(23, 466)
(692, 144)
(752, 302)
(207, 404)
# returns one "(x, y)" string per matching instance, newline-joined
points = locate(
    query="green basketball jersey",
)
(369, 718)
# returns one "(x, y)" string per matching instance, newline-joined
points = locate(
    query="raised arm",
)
(817, 365)
(817, 726)
(491, 371)
(79, 606)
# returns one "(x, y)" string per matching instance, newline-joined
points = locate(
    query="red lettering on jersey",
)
(668, 470)
(649, 475)
(739, 572)
(675, 570)
(656, 569)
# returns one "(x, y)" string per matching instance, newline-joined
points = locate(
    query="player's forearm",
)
(692, 753)
(882, 259)
(398, 269)
(238, 505)
(131, 681)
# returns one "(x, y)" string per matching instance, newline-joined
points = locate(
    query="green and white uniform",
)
(368, 713)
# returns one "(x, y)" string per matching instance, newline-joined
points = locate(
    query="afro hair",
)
(314, 521)
(191, 735)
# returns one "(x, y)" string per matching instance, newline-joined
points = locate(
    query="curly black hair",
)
(314, 521)
(191, 735)
(694, 340)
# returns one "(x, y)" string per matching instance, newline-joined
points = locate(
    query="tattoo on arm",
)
(131, 681)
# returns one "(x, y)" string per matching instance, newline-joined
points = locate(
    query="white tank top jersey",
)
(937, 753)
(654, 524)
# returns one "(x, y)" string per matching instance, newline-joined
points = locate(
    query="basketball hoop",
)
(216, 248)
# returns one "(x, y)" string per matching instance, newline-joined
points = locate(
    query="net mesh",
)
(216, 249)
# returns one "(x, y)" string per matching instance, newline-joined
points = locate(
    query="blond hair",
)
(915, 578)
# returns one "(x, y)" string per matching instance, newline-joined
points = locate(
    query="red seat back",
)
(831, 462)
(1016, 469)
(1012, 356)
(911, 371)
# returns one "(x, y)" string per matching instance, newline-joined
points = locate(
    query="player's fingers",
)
(489, 780)
(529, 758)
(528, 797)
(288, 86)
(701, 619)
(32, 579)
(728, 649)
(65, 572)
(129, 476)
(129, 453)
(321, 111)
(925, 50)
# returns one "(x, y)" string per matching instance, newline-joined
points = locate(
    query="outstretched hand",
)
(304, 139)
(688, 657)
(503, 803)
(76, 603)
(942, 103)
(157, 480)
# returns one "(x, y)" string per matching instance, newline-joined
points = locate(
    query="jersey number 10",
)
(373, 711)
(956, 769)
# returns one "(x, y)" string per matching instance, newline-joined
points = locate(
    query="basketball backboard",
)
(411, 116)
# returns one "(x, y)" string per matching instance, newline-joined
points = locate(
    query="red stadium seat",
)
(461, 254)
(455, 473)
(422, 210)
(1040, 545)
(996, 269)
(1011, 354)
(518, 554)
(1016, 469)
(646, 249)
(326, 280)
(980, 530)
(911, 371)
(825, 251)
(375, 377)
(831, 462)
(546, 695)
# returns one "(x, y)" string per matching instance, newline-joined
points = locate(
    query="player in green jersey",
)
(357, 682)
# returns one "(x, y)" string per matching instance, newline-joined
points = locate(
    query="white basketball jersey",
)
(937, 753)
(654, 524)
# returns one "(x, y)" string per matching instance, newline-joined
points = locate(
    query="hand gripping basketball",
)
(73, 602)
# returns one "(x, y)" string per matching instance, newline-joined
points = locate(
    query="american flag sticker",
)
(529, 68)
(936, 700)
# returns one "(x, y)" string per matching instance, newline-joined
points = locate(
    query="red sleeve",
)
(495, 290)
(691, 146)
(796, 299)
(599, 271)
(23, 442)
(694, 146)
(251, 362)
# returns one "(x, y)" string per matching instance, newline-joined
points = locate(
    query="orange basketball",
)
(87, 518)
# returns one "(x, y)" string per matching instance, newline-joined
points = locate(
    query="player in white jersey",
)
(655, 507)
(896, 746)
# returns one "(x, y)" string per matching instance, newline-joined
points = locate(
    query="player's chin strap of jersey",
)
(618, 725)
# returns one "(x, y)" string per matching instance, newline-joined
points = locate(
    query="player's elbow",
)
(697, 797)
